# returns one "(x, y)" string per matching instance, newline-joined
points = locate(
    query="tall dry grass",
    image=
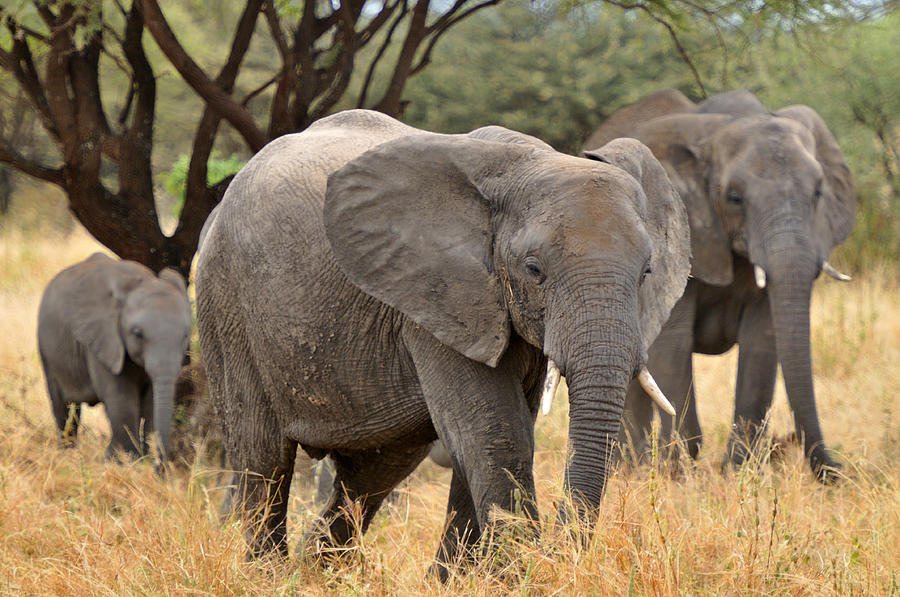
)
(71, 524)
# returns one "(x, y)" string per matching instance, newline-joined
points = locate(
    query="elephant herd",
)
(365, 288)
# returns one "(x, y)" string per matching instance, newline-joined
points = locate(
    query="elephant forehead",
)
(598, 215)
(155, 295)
(778, 160)
(765, 134)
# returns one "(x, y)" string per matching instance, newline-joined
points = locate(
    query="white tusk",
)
(829, 269)
(551, 382)
(649, 385)
(760, 274)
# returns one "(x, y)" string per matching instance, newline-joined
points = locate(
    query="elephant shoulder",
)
(624, 122)
(362, 122)
(504, 135)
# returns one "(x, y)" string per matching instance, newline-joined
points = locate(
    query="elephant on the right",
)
(768, 195)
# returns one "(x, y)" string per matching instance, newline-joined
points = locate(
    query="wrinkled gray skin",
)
(113, 332)
(417, 296)
(761, 188)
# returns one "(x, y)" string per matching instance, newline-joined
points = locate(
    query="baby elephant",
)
(113, 332)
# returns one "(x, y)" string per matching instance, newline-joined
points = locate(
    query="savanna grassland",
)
(72, 524)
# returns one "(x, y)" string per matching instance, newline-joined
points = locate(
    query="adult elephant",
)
(365, 288)
(768, 196)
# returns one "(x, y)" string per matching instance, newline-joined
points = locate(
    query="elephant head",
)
(478, 238)
(774, 189)
(124, 311)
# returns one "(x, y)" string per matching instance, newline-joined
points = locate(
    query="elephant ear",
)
(409, 225)
(100, 287)
(667, 224)
(836, 211)
(174, 278)
(680, 143)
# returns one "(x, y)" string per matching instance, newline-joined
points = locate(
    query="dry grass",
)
(71, 524)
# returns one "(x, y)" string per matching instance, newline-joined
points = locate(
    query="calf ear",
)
(174, 278)
(667, 224)
(836, 211)
(100, 287)
(410, 224)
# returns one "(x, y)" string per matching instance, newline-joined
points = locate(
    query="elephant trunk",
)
(596, 401)
(163, 382)
(599, 357)
(792, 267)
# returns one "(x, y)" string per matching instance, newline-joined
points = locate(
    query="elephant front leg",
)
(461, 530)
(121, 397)
(670, 360)
(482, 417)
(757, 367)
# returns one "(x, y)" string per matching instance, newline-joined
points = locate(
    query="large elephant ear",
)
(409, 225)
(98, 292)
(667, 224)
(836, 211)
(681, 143)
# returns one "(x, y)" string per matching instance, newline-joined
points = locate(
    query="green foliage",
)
(175, 180)
(556, 73)
(550, 73)
(849, 74)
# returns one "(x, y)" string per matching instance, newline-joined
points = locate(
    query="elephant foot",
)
(826, 470)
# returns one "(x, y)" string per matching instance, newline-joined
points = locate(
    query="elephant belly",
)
(344, 386)
(716, 322)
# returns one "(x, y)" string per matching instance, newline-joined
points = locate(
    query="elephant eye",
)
(817, 195)
(733, 198)
(533, 267)
(137, 333)
(647, 272)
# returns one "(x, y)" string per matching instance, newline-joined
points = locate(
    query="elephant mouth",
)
(553, 375)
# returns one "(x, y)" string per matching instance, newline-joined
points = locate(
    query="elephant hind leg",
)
(260, 490)
(362, 481)
(259, 455)
(66, 414)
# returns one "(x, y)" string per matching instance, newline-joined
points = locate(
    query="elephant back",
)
(279, 192)
(624, 122)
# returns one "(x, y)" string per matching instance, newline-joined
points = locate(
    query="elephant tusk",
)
(760, 274)
(829, 269)
(551, 382)
(649, 385)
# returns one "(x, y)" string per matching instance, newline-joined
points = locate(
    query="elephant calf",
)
(113, 332)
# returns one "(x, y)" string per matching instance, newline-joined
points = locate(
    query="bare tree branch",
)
(439, 28)
(19, 162)
(194, 76)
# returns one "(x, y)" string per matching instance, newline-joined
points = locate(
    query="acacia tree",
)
(53, 52)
